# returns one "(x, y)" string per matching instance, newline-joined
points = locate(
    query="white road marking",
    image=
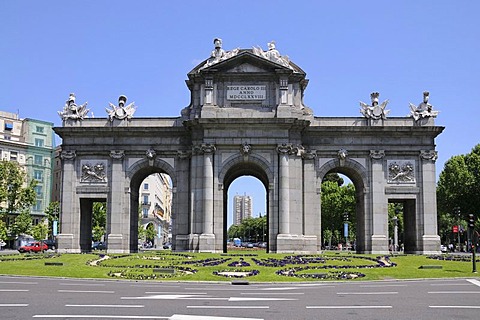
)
(82, 284)
(106, 305)
(455, 307)
(18, 282)
(228, 307)
(14, 290)
(170, 292)
(172, 297)
(473, 281)
(189, 317)
(96, 316)
(349, 307)
(453, 292)
(273, 293)
(359, 293)
(233, 299)
(13, 305)
(85, 291)
(449, 284)
(383, 285)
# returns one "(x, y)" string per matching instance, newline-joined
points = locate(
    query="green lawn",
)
(263, 267)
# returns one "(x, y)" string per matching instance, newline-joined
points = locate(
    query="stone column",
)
(207, 238)
(284, 194)
(181, 217)
(69, 237)
(378, 220)
(311, 204)
(430, 238)
(117, 229)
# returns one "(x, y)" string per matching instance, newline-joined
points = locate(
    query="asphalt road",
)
(57, 298)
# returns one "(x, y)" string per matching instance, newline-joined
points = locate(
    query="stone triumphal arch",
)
(247, 117)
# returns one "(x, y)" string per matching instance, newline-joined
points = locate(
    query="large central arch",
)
(243, 166)
(247, 117)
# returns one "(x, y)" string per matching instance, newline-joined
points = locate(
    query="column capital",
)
(117, 154)
(68, 155)
(208, 148)
(285, 149)
(377, 154)
(431, 155)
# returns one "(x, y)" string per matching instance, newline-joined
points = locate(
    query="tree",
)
(99, 220)
(22, 224)
(458, 187)
(40, 231)
(15, 190)
(52, 212)
(336, 200)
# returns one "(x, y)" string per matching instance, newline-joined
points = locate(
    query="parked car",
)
(167, 245)
(99, 245)
(50, 243)
(443, 248)
(33, 247)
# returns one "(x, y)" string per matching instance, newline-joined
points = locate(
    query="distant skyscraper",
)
(242, 208)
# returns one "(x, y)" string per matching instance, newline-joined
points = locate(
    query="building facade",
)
(247, 118)
(156, 203)
(242, 208)
(29, 142)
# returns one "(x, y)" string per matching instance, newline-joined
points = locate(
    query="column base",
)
(206, 242)
(116, 244)
(379, 245)
(65, 244)
(294, 243)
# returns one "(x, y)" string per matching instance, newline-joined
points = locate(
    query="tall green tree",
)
(53, 214)
(337, 200)
(39, 231)
(459, 186)
(99, 220)
(22, 224)
(15, 190)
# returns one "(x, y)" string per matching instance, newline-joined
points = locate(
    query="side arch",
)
(358, 174)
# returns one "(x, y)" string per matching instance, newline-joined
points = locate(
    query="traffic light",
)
(471, 221)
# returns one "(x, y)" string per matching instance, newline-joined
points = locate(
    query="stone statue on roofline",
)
(424, 109)
(121, 111)
(218, 54)
(375, 111)
(272, 54)
(73, 112)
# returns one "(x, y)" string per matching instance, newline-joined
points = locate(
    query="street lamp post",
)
(458, 213)
(395, 233)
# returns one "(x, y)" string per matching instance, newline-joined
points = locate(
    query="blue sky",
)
(144, 49)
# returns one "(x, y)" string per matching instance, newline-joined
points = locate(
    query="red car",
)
(33, 247)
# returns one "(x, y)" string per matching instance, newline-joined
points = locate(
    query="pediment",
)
(245, 62)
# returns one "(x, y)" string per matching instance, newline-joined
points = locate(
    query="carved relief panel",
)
(93, 171)
(401, 171)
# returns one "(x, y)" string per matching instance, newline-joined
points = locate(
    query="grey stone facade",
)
(247, 117)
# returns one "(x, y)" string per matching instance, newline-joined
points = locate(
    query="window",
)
(38, 175)
(38, 159)
(7, 137)
(145, 186)
(8, 126)
(38, 142)
(38, 206)
(39, 129)
(38, 191)
(145, 212)
(145, 199)
(13, 155)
